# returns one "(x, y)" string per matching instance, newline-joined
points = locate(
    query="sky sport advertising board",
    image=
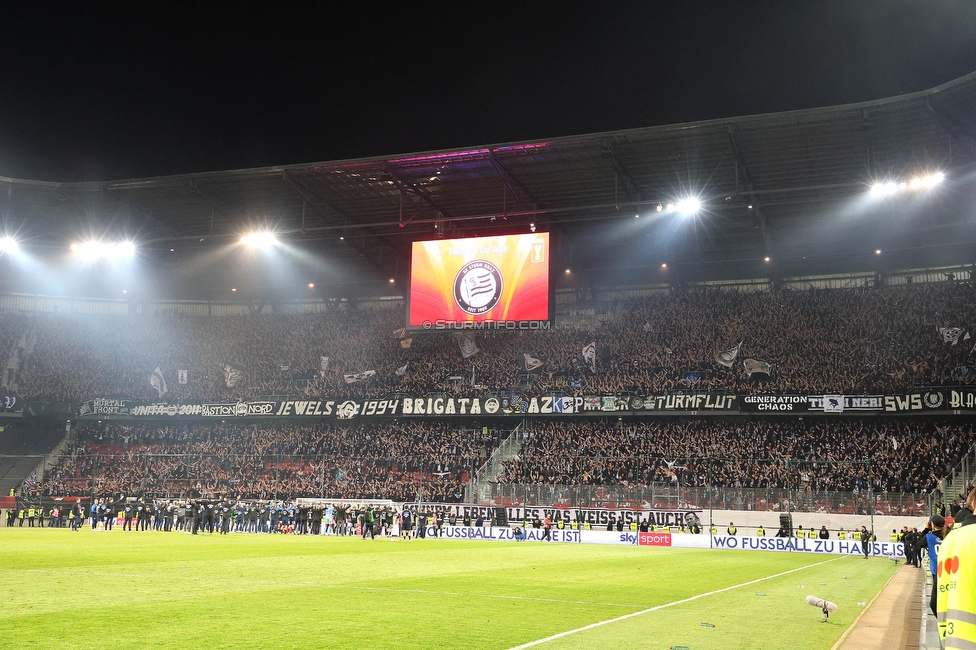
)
(480, 283)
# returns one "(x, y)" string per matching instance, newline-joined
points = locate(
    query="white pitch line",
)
(657, 607)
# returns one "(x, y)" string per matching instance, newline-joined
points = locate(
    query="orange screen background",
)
(525, 278)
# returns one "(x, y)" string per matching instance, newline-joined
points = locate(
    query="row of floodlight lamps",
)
(917, 184)
(264, 239)
(685, 207)
(93, 250)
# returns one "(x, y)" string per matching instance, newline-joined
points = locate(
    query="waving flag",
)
(727, 358)
(157, 381)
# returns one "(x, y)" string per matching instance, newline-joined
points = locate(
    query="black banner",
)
(505, 404)
(11, 405)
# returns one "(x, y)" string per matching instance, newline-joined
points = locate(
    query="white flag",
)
(465, 341)
(402, 369)
(181, 376)
(951, 334)
(157, 381)
(531, 362)
(359, 376)
(754, 366)
(323, 366)
(727, 358)
(589, 354)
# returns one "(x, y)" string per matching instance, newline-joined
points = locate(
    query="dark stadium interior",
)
(823, 242)
(562, 274)
(347, 224)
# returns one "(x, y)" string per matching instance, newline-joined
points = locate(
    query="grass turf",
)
(133, 590)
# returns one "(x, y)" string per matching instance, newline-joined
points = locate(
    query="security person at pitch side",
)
(955, 575)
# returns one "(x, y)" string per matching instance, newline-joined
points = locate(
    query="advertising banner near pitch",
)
(812, 546)
(672, 540)
(504, 534)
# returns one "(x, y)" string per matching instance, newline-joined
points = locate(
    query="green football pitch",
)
(60, 589)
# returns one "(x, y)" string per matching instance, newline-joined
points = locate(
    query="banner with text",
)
(504, 404)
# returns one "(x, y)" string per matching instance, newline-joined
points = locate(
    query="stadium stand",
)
(856, 341)
(401, 461)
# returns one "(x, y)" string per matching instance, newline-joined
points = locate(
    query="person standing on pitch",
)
(865, 541)
(369, 521)
(547, 529)
(933, 540)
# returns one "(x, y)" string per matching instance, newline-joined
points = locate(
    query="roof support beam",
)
(323, 209)
(957, 133)
(162, 227)
(216, 203)
(744, 180)
(631, 188)
(412, 193)
(517, 190)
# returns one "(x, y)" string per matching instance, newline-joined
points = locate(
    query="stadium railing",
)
(956, 484)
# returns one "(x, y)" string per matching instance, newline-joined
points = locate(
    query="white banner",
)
(813, 546)
(359, 376)
(676, 540)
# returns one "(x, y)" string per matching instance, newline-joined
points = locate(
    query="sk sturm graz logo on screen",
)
(478, 287)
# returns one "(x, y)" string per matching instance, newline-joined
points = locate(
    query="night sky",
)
(121, 92)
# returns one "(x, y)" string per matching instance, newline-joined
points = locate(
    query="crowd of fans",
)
(870, 340)
(849, 455)
(833, 341)
(397, 460)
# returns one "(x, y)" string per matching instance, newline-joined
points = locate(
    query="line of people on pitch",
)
(810, 533)
(57, 516)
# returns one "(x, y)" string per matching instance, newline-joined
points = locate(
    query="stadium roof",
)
(789, 185)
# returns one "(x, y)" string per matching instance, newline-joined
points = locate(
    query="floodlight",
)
(927, 181)
(126, 248)
(884, 188)
(259, 239)
(877, 251)
(688, 206)
(8, 244)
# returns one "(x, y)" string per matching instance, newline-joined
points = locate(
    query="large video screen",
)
(487, 280)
